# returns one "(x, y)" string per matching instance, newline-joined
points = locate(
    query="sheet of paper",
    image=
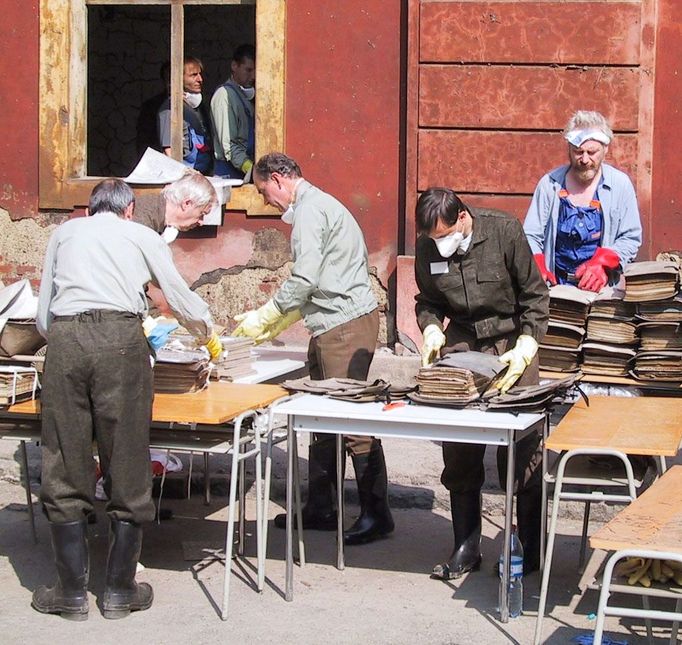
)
(156, 168)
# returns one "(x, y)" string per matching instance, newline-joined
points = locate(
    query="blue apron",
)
(579, 232)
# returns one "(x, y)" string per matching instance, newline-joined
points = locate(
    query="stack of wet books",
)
(178, 371)
(17, 383)
(236, 361)
(654, 280)
(611, 334)
(561, 347)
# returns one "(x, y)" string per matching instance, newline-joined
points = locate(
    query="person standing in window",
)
(197, 148)
(583, 223)
(233, 116)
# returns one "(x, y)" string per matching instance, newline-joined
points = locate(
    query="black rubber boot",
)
(69, 596)
(121, 593)
(466, 524)
(528, 517)
(375, 515)
(318, 513)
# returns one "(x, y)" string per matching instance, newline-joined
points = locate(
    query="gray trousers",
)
(97, 386)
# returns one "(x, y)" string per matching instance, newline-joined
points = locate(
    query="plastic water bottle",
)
(515, 595)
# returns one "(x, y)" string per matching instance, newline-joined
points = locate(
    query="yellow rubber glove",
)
(518, 358)
(434, 339)
(254, 323)
(283, 323)
(214, 347)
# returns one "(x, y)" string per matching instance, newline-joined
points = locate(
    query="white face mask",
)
(249, 92)
(193, 99)
(449, 244)
(288, 215)
(169, 234)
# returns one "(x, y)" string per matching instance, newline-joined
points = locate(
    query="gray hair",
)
(585, 120)
(111, 196)
(192, 186)
(276, 162)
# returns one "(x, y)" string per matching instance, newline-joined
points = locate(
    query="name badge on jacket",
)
(438, 268)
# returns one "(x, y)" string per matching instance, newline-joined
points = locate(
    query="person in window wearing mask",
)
(583, 223)
(197, 148)
(474, 267)
(233, 115)
(330, 289)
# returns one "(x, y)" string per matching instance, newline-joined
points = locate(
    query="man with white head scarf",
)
(583, 222)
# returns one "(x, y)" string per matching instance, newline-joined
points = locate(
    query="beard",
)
(585, 175)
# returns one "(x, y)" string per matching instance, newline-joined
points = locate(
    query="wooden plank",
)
(635, 426)
(412, 117)
(653, 521)
(54, 100)
(177, 55)
(669, 386)
(525, 97)
(502, 162)
(531, 32)
(218, 403)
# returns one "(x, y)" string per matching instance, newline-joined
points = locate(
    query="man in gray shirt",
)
(98, 385)
(330, 288)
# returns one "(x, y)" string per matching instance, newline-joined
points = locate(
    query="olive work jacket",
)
(494, 289)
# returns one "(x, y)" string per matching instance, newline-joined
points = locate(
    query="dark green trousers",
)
(97, 386)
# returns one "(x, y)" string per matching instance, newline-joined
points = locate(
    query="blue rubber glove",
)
(158, 336)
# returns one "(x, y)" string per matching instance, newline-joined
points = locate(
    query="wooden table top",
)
(653, 521)
(638, 425)
(218, 403)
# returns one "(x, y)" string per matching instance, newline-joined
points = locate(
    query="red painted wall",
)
(343, 109)
(19, 54)
(666, 221)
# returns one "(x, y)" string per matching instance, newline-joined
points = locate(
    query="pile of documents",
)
(664, 365)
(457, 379)
(18, 309)
(611, 334)
(568, 310)
(650, 281)
(178, 371)
(237, 359)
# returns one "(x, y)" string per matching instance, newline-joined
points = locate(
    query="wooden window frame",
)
(63, 180)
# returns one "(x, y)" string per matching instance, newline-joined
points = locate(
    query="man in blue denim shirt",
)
(583, 223)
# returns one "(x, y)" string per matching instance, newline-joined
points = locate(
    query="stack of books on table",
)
(178, 371)
(611, 334)
(568, 310)
(645, 281)
(237, 359)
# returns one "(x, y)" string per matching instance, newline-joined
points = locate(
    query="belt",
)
(565, 276)
(98, 315)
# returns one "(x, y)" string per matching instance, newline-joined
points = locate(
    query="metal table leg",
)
(340, 501)
(27, 485)
(508, 508)
(289, 584)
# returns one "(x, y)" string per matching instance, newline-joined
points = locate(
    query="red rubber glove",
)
(546, 274)
(592, 274)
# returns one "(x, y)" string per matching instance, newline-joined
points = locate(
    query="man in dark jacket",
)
(474, 267)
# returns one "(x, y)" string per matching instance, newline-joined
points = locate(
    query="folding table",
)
(212, 420)
(311, 413)
(650, 426)
(651, 527)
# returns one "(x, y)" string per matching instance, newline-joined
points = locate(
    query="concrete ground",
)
(384, 595)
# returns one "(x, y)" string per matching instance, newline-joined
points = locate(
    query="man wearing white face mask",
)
(233, 116)
(197, 149)
(330, 288)
(474, 267)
